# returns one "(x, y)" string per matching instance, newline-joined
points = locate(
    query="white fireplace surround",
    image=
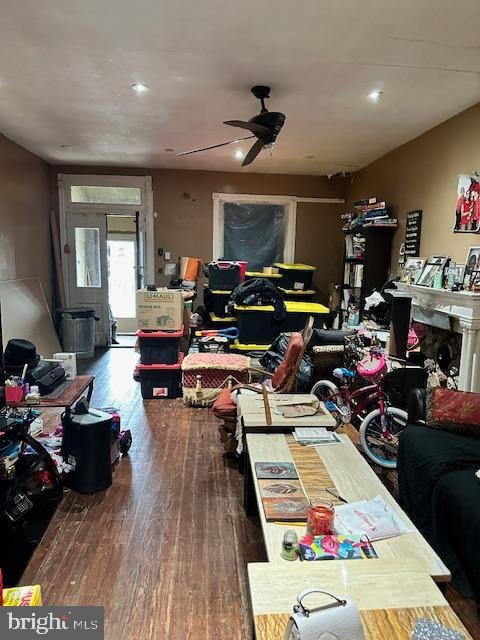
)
(464, 307)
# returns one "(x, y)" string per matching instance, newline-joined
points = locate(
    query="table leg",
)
(249, 498)
(90, 391)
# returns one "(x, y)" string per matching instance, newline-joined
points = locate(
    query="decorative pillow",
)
(457, 411)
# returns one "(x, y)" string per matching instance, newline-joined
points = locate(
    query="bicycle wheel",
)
(378, 448)
(325, 390)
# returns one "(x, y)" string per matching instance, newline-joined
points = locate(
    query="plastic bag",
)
(375, 518)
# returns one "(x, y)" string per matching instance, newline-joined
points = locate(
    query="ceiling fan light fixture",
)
(140, 88)
(239, 155)
(375, 95)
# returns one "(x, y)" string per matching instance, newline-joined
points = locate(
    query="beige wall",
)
(25, 247)
(422, 174)
(184, 226)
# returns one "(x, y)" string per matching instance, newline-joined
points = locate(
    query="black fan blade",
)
(253, 153)
(214, 146)
(257, 129)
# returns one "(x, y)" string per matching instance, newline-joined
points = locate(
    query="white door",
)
(87, 268)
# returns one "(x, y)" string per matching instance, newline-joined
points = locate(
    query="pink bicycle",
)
(380, 428)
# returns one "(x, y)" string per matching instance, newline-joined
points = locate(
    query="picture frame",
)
(472, 262)
(434, 266)
(410, 268)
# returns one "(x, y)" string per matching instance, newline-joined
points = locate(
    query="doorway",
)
(106, 229)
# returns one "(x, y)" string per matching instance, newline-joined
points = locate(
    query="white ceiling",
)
(66, 67)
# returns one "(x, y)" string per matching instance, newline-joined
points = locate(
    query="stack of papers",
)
(315, 436)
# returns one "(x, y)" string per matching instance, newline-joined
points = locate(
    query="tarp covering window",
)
(255, 233)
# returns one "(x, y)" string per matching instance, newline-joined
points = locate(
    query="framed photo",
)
(435, 265)
(410, 268)
(473, 260)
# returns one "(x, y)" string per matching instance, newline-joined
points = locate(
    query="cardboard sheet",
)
(25, 314)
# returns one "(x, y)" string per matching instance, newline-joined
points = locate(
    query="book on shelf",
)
(365, 201)
(371, 207)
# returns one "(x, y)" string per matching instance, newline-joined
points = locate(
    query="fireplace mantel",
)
(463, 306)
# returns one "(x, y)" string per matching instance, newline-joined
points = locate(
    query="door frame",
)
(145, 209)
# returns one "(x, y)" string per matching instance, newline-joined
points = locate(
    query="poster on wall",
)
(467, 209)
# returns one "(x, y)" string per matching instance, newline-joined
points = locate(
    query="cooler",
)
(298, 295)
(298, 313)
(224, 275)
(159, 347)
(160, 380)
(256, 324)
(296, 276)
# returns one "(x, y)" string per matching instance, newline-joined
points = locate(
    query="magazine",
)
(336, 547)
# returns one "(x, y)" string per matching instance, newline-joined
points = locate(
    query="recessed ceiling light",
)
(140, 88)
(169, 150)
(309, 157)
(65, 146)
(239, 154)
(375, 95)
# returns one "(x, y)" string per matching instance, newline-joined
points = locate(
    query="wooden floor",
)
(165, 548)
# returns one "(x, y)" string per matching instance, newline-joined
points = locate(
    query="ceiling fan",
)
(265, 127)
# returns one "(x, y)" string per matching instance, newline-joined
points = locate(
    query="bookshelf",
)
(366, 265)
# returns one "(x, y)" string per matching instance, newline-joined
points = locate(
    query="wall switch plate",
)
(170, 268)
(167, 255)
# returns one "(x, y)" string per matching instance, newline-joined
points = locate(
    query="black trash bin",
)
(87, 439)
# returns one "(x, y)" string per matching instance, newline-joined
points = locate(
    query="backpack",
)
(259, 291)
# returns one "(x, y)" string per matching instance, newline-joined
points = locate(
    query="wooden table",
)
(340, 467)
(251, 413)
(390, 595)
(66, 394)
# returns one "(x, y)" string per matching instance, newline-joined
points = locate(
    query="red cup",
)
(320, 518)
(13, 395)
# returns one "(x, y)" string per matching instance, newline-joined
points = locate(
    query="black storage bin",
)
(295, 276)
(257, 324)
(216, 301)
(159, 347)
(276, 278)
(214, 322)
(223, 275)
(86, 445)
(299, 312)
(159, 381)
(298, 295)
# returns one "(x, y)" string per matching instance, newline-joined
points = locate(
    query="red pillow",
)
(454, 411)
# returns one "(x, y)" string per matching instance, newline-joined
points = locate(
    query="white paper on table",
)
(375, 518)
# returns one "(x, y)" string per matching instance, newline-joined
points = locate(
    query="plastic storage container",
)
(77, 331)
(159, 347)
(248, 348)
(296, 276)
(298, 313)
(86, 446)
(216, 301)
(160, 380)
(224, 275)
(256, 324)
(221, 323)
(299, 295)
(274, 277)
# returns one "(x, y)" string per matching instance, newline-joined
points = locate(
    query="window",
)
(258, 229)
(105, 195)
(87, 253)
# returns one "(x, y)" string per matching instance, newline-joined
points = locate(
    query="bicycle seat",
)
(342, 372)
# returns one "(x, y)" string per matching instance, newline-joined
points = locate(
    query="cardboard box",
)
(69, 363)
(23, 596)
(161, 309)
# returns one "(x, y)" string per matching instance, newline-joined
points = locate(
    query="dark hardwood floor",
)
(165, 548)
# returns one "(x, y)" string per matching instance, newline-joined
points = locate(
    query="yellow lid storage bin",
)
(296, 276)
(298, 313)
(216, 301)
(246, 348)
(275, 277)
(299, 295)
(257, 324)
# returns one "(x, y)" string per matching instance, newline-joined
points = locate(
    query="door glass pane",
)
(105, 195)
(254, 232)
(87, 253)
(121, 278)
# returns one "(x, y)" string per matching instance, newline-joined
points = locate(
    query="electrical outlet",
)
(167, 255)
(170, 268)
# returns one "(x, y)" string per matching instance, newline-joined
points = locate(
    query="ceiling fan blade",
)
(253, 153)
(257, 129)
(214, 146)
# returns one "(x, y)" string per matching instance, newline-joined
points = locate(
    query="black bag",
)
(259, 291)
(47, 376)
(275, 355)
